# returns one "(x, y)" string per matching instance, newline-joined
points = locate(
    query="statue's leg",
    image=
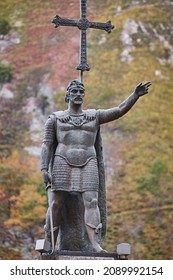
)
(92, 219)
(56, 201)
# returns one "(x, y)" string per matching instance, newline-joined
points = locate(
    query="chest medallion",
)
(77, 121)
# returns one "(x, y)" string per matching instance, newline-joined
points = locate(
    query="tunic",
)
(74, 166)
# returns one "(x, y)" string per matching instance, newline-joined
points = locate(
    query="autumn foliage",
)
(22, 206)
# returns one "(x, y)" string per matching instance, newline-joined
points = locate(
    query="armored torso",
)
(76, 135)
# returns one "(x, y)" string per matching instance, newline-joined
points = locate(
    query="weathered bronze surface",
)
(72, 166)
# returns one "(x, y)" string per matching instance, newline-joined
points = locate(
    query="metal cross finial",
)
(83, 24)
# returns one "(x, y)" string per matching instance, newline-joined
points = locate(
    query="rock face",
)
(39, 108)
(147, 30)
(5, 92)
(8, 40)
(130, 27)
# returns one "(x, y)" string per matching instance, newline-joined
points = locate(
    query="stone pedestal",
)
(76, 255)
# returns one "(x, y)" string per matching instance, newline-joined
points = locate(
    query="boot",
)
(94, 235)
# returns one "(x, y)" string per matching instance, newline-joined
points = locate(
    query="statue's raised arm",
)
(112, 114)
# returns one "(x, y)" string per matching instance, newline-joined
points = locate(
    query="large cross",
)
(83, 24)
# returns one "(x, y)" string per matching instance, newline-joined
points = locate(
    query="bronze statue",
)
(72, 160)
(72, 169)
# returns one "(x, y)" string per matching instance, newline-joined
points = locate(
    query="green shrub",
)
(5, 73)
(4, 26)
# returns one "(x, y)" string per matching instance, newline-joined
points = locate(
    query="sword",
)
(48, 188)
(42, 245)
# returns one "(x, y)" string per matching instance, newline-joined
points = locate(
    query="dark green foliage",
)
(6, 73)
(4, 26)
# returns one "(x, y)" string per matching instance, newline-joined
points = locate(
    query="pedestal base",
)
(75, 255)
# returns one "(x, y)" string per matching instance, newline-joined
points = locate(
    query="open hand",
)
(142, 89)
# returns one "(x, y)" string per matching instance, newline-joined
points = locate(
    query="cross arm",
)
(104, 26)
(82, 24)
(58, 21)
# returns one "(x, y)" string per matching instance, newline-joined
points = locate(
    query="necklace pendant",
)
(77, 121)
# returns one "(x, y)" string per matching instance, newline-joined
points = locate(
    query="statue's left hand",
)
(142, 89)
(46, 177)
